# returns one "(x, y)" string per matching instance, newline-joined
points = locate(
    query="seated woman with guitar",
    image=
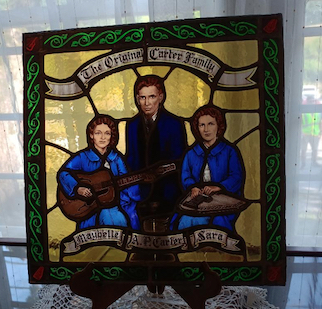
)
(87, 179)
(212, 165)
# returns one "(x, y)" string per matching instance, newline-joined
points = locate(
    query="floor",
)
(303, 288)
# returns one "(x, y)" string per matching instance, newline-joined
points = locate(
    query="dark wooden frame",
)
(267, 30)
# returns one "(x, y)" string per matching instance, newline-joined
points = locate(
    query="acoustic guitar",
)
(103, 185)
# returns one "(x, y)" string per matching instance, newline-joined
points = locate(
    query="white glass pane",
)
(11, 149)
(12, 210)
(313, 13)
(6, 91)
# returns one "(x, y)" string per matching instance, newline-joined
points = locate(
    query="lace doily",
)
(232, 297)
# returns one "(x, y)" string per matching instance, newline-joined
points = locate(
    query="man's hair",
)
(103, 119)
(213, 112)
(147, 81)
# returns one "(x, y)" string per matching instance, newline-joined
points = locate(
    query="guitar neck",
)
(147, 177)
(130, 180)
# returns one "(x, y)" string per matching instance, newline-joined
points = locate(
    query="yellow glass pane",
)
(157, 70)
(63, 65)
(246, 99)
(114, 95)
(58, 228)
(67, 127)
(55, 158)
(250, 151)
(190, 137)
(236, 54)
(208, 254)
(185, 93)
(251, 232)
(98, 254)
(121, 146)
(238, 124)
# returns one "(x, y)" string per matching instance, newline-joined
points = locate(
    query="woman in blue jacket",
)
(102, 135)
(212, 165)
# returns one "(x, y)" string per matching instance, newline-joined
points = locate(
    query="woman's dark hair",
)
(213, 112)
(103, 119)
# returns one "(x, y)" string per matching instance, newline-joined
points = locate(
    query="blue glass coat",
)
(89, 161)
(226, 170)
(166, 143)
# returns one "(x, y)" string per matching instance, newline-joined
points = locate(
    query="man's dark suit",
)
(165, 143)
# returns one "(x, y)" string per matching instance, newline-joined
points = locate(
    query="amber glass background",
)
(66, 121)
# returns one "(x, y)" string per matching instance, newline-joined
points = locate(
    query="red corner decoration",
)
(32, 44)
(274, 273)
(271, 26)
(39, 273)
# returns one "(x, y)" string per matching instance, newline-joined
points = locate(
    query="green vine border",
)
(83, 39)
(33, 97)
(33, 150)
(244, 274)
(273, 214)
(106, 273)
(271, 84)
(35, 222)
(211, 31)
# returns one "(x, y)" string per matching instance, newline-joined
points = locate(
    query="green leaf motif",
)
(33, 97)
(110, 273)
(61, 273)
(33, 149)
(239, 274)
(184, 32)
(273, 217)
(102, 274)
(271, 84)
(35, 219)
(83, 39)
(191, 273)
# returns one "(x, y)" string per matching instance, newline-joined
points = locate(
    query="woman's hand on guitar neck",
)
(83, 191)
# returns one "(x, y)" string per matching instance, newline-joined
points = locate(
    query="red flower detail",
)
(274, 273)
(39, 273)
(271, 26)
(32, 43)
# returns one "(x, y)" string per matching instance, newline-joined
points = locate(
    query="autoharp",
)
(218, 203)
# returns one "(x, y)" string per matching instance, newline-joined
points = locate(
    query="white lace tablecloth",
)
(232, 297)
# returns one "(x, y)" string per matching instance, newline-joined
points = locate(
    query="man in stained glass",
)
(153, 136)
